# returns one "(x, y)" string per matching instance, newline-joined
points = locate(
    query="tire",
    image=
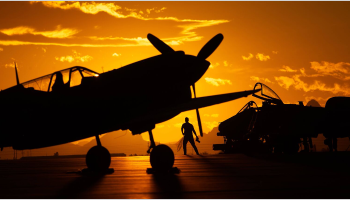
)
(98, 158)
(162, 158)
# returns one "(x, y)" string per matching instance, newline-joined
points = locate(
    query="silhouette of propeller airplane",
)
(77, 103)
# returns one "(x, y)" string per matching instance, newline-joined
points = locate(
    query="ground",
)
(314, 175)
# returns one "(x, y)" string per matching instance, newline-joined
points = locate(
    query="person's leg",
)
(193, 145)
(185, 144)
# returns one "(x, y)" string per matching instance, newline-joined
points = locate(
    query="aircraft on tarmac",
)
(77, 103)
(278, 127)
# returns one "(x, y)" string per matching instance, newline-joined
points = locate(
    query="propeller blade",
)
(198, 115)
(159, 44)
(210, 46)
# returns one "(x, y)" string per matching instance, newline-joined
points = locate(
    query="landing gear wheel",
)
(98, 159)
(162, 158)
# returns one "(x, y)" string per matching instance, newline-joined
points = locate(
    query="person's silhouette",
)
(59, 85)
(187, 130)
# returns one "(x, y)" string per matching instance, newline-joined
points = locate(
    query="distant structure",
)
(313, 103)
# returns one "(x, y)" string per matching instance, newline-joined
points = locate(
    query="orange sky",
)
(299, 49)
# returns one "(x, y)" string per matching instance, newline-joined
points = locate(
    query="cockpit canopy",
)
(250, 104)
(267, 94)
(71, 77)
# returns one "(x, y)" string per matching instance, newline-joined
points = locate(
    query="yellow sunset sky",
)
(299, 49)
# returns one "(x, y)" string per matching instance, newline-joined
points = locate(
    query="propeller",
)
(197, 111)
(210, 46)
(204, 53)
(159, 44)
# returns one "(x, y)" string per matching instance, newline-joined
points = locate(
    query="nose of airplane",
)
(191, 68)
(198, 64)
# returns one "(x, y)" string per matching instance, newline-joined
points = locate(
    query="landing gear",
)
(162, 157)
(98, 158)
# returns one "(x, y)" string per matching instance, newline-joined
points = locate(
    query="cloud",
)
(261, 57)
(140, 41)
(43, 49)
(10, 65)
(65, 58)
(285, 82)
(187, 25)
(178, 125)
(58, 33)
(17, 43)
(298, 84)
(340, 71)
(274, 52)
(75, 57)
(114, 10)
(211, 125)
(212, 66)
(249, 57)
(160, 126)
(212, 115)
(116, 55)
(1, 49)
(155, 10)
(257, 79)
(287, 69)
(21, 30)
(226, 64)
(218, 81)
(86, 7)
(84, 58)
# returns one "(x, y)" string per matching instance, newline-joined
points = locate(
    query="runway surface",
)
(317, 175)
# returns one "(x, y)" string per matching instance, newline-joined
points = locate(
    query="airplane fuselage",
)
(124, 98)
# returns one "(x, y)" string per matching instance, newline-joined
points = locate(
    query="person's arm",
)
(182, 129)
(194, 131)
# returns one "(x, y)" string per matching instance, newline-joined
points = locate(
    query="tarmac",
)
(312, 175)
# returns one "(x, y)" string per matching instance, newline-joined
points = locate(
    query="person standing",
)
(187, 129)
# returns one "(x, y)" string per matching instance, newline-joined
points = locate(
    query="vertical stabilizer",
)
(16, 74)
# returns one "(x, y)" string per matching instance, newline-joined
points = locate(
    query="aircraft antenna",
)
(16, 74)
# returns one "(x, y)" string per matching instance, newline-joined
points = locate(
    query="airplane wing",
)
(163, 114)
(211, 100)
(192, 104)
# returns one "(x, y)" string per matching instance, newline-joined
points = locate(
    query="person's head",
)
(186, 119)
